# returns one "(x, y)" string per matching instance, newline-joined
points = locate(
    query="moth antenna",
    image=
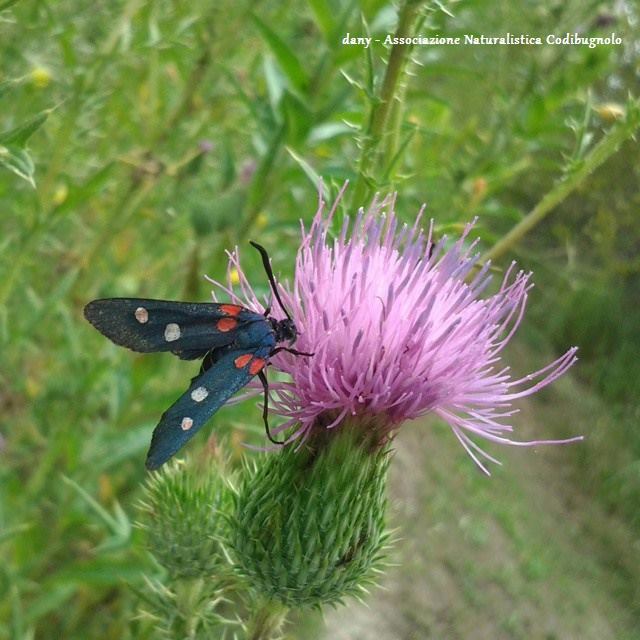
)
(272, 280)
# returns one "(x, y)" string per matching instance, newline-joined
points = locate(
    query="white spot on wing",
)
(142, 315)
(199, 394)
(186, 424)
(171, 332)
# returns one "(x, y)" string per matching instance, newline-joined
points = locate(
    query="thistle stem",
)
(599, 154)
(266, 621)
(188, 603)
(382, 128)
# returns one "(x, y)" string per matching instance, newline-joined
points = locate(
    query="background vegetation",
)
(139, 140)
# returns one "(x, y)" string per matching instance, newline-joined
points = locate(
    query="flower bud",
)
(611, 111)
(309, 522)
(40, 77)
(182, 509)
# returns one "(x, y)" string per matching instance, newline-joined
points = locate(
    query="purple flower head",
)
(399, 329)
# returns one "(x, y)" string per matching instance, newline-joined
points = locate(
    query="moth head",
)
(285, 330)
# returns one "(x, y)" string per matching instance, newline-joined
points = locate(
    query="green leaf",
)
(19, 135)
(298, 118)
(18, 161)
(219, 215)
(104, 571)
(12, 532)
(276, 83)
(118, 524)
(324, 17)
(242, 95)
(7, 3)
(288, 61)
(6, 85)
(50, 600)
(329, 130)
(310, 172)
(227, 165)
(123, 446)
(81, 193)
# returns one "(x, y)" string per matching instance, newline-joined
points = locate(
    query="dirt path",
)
(521, 555)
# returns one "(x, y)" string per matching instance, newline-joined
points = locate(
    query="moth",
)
(233, 342)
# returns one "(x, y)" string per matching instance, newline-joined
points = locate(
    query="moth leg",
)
(289, 350)
(265, 407)
(210, 358)
(207, 362)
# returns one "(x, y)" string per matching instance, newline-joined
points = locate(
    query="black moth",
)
(234, 343)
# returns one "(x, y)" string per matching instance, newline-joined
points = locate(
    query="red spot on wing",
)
(256, 365)
(242, 361)
(226, 324)
(230, 309)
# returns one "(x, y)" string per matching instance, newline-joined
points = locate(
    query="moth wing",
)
(187, 329)
(208, 392)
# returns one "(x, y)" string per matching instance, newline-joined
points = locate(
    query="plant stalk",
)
(266, 621)
(599, 154)
(382, 126)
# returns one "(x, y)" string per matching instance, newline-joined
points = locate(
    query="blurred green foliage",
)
(139, 140)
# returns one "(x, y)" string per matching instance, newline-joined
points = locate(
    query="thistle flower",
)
(399, 328)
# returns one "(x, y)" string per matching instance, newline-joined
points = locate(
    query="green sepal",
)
(308, 527)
